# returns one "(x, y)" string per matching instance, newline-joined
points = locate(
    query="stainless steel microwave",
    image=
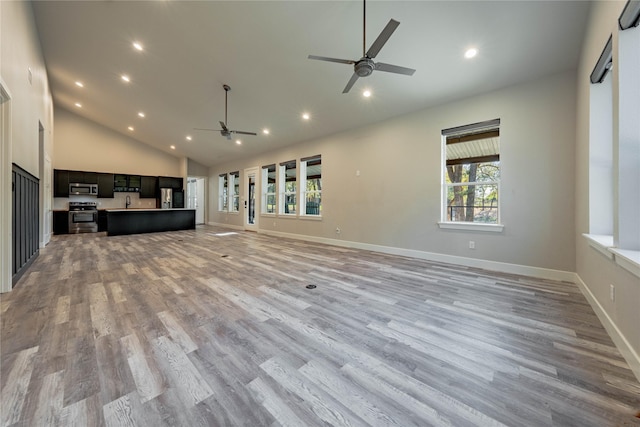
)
(83, 189)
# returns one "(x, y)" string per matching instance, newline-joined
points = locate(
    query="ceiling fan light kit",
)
(365, 66)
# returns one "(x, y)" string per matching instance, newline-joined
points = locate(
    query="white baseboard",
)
(543, 273)
(627, 351)
(233, 227)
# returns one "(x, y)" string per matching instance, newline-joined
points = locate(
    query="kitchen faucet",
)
(127, 202)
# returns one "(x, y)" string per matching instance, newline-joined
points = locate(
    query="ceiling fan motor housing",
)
(364, 67)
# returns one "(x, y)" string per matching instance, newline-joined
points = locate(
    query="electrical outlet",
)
(612, 292)
(338, 231)
(472, 244)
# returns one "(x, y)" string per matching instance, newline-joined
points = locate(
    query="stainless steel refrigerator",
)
(166, 198)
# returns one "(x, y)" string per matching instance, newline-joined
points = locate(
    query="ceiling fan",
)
(225, 131)
(365, 66)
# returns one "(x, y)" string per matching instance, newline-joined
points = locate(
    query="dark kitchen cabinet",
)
(120, 182)
(170, 182)
(60, 183)
(148, 187)
(83, 177)
(105, 185)
(102, 220)
(133, 183)
(61, 222)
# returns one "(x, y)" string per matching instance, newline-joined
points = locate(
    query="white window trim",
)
(265, 194)
(221, 178)
(231, 192)
(282, 194)
(304, 192)
(464, 225)
(471, 226)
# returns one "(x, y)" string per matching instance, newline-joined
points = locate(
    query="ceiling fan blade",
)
(382, 38)
(381, 66)
(324, 58)
(213, 130)
(243, 132)
(223, 126)
(353, 79)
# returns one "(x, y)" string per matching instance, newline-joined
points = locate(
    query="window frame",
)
(265, 187)
(223, 192)
(282, 190)
(303, 189)
(460, 132)
(234, 185)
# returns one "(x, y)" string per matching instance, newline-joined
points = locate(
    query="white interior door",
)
(200, 202)
(48, 213)
(251, 196)
(195, 197)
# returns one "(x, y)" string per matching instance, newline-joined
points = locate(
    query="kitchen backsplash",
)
(118, 201)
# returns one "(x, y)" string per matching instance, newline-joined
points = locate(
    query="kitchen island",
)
(136, 221)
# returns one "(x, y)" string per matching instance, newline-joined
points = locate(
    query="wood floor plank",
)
(216, 327)
(15, 387)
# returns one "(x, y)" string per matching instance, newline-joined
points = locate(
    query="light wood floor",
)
(207, 328)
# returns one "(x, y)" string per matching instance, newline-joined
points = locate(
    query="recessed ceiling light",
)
(306, 116)
(130, 128)
(470, 53)
(77, 104)
(173, 147)
(189, 138)
(265, 131)
(79, 84)
(366, 93)
(238, 142)
(137, 46)
(141, 114)
(125, 78)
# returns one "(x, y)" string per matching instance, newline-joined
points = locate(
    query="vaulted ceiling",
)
(260, 49)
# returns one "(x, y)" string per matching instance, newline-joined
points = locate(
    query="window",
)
(471, 172)
(601, 145)
(223, 195)
(311, 192)
(287, 182)
(269, 189)
(234, 180)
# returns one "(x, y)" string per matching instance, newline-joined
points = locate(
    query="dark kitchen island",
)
(136, 221)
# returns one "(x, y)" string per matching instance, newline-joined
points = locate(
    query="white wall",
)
(84, 145)
(30, 105)
(622, 316)
(395, 202)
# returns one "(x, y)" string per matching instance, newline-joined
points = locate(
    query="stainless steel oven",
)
(83, 217)
(83, 189)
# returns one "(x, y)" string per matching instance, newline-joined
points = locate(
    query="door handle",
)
(245, 204)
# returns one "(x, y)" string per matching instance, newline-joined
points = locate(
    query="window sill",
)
(470, 226)
(627, 259)
(601, 244)
(288, 216)
(268, 215)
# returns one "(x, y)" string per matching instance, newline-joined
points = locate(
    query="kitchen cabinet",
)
(105, 185)
(83, 177)
(61, 222)
(60, 183)
(102, 220)
(133, 183)
(170, 182)
(148, 187)
(120, 182)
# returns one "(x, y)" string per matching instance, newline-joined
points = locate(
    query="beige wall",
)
(395, 201)
(85, 145)
(596, 271)
(29, 107)
(31, 102)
